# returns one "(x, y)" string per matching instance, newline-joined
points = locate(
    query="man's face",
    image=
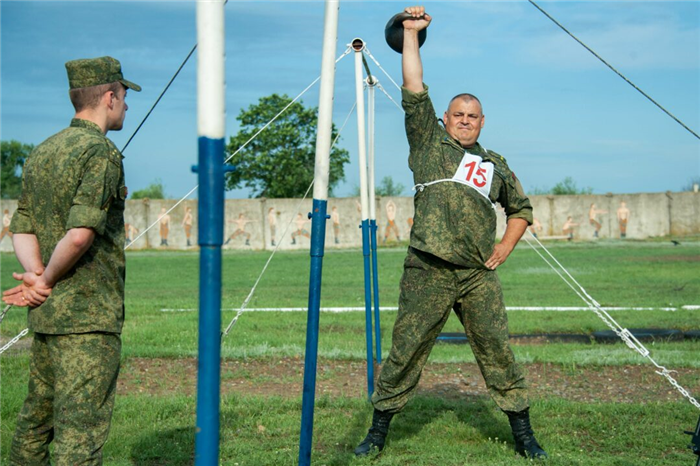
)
(118, 110)
(464, 120)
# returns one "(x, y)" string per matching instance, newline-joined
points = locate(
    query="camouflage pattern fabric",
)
(72, 384)
(89, 72)
(430, 289)
(75, 179)
(452, 221)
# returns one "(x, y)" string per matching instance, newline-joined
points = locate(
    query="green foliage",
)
(13, 155)
(279, 162)
(155, 190)
(387, 187)
(567, 186)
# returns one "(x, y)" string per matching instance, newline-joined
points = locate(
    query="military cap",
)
(90, 72)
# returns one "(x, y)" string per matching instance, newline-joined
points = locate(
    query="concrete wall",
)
(257, 223)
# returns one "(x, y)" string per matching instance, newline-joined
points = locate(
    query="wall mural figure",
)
(6, 219)
(300, 231)
(241, 222)
(272, 220)
(164, 226)
(536, 227)
(335, 218)
(187, 224)
(391, 222)
(592, 214)
(129, 232)
(623, 216)
(568, 228)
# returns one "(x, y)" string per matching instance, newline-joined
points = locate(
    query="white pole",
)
(211, 108)
(325, 106)
(358, 46)
(371, 83)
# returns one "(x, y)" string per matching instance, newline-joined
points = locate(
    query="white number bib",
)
(474, 172)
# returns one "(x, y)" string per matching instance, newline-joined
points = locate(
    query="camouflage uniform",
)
(74, 179)
(452, 237)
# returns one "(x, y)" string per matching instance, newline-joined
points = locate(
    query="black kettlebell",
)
(393, 32)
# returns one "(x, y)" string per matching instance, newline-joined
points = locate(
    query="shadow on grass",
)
(172, 447)
(475, 411)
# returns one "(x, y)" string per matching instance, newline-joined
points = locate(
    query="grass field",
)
(153, 425)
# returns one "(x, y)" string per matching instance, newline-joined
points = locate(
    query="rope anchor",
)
(695, 441)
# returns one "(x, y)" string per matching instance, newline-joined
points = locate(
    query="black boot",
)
(525, 442)
(377, 434)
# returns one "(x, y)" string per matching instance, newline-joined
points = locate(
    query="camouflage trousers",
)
(72, 384)
(430, 289)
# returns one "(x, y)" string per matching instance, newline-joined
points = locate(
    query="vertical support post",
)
(371, 84)
(358, 46)
(211, 123)
(318, 225)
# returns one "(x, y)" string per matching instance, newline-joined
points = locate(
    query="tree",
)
(280, 161)
(155, 190)
(12, 157)
(567, 186)
(387, 187)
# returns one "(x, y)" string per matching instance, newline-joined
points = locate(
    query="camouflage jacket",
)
(452, 220)
(75, 179)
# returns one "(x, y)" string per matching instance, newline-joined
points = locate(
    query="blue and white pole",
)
(371, 85)
(358, 46)
(318, 225)
(211, 123)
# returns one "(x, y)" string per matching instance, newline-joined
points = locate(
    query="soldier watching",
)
(452, 257)
(69, 238)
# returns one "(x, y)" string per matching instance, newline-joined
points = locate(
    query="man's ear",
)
(108, 99)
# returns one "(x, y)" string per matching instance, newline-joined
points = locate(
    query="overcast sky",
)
(552, 109)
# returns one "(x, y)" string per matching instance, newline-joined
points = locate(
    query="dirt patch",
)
(284, 378)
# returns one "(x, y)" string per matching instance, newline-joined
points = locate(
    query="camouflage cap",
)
(90, 72)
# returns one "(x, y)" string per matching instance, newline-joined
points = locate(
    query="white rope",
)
(284, 234)
(380, 67)
(623, 333)
(347, 51)
(390, 98)
(14, 340)
(4, 311)
(252, 291)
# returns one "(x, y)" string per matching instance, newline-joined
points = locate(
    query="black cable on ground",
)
(613, 69)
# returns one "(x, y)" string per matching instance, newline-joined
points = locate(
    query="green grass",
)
(151, 430)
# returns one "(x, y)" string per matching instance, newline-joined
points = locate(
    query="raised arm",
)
(411, 62)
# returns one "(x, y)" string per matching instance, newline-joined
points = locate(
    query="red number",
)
(471, 166)
(480, 173)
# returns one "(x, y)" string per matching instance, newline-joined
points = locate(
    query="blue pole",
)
(211, 122)
(318, 238)
(211, 232)
(375, 283)
(318, 225)
(368, 307)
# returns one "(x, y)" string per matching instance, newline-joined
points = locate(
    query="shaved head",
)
(467, 98)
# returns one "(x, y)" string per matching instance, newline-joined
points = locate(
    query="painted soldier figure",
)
(69, 237)
(452, 256)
